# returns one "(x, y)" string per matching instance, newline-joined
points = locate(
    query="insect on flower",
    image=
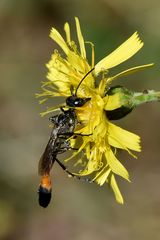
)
(64, 125)
(94, 103)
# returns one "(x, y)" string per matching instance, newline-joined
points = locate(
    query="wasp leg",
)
(60, 151)
(64, 135)
(64, 149)
(69, 134)
(71, 148)
(65, 169)
(79, 134)
(72, 174)
(65, 146)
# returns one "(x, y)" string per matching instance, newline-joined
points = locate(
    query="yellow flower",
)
(104, 138)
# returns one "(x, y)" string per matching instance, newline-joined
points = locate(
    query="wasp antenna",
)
(72, 90)
(82, 80)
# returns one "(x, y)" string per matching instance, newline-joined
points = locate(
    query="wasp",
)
(64, 125)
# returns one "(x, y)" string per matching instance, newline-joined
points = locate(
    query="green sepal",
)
(129, 100)
(127, 105)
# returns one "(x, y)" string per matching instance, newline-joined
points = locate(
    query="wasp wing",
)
(48, 157)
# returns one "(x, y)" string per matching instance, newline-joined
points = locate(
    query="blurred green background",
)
(78, 211)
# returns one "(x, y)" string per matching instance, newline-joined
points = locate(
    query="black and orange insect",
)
(64, 125)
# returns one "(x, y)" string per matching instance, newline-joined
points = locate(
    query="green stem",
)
(146, 96)
(128, 100)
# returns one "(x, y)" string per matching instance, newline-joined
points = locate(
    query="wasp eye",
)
(74, 101)
(70, 101)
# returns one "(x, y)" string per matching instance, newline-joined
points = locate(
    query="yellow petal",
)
(58, 63)
(116, 190)
(121, 54)
(92, 53)
(115, 165)
(80, 38)
(129, 71)
(67, 31)
(77, 62)
(51, 110)
(102, 176)
(123, 139)
(56, 36)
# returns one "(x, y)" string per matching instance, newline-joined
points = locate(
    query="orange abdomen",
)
(45, 191)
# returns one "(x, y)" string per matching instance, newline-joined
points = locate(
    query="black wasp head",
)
(74, 101)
